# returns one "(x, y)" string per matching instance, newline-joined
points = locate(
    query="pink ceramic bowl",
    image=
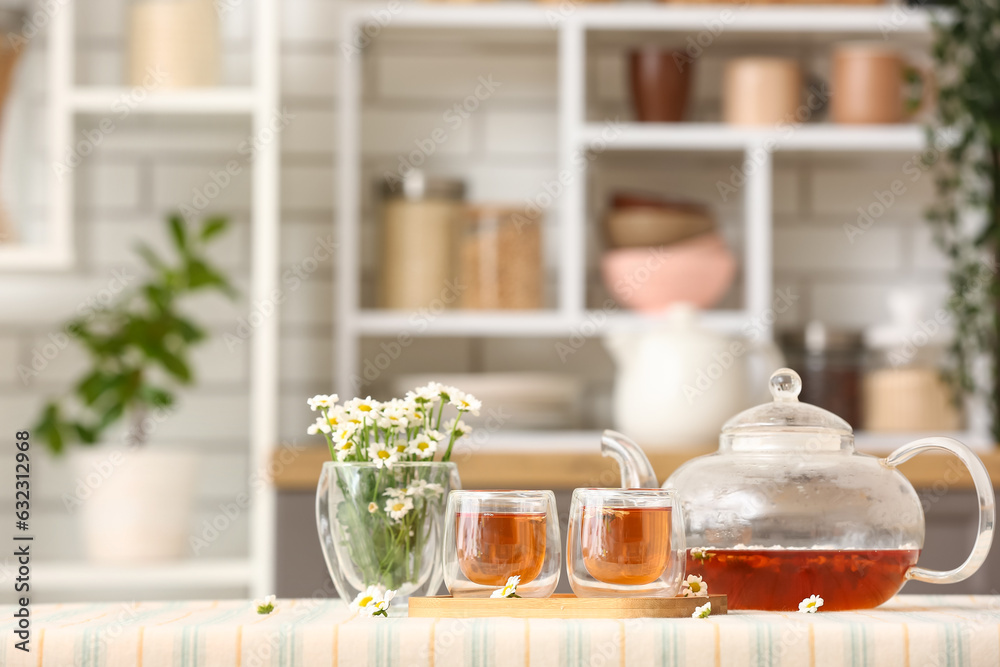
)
(696, 271)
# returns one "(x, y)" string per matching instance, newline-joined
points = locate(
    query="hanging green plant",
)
(966, 214)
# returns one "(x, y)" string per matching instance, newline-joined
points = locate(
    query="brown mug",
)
(870, 86)
(761, 91)
(661, 84)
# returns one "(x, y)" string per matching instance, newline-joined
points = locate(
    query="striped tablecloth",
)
(913, 631)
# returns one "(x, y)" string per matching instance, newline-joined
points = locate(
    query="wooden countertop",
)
(298, 470)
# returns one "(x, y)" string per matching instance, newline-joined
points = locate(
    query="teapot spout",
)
(637, 471)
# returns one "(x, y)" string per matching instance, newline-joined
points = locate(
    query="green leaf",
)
(171, 363)
(213, 227)
(110, 416)
(95, 385)
(179, 232)
(152, 259)
(87, 435)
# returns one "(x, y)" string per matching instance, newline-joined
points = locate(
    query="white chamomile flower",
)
(701, 554)
(436, 436)
(319, 426)
(694, 587)
(458, 426)
(363, 407)
(343, 448)
(422, 395)
(810, 604)
(423, 446)
(392, 492)
(265, 606)
(372, 508)
(421, 488)
(467, 403)
(381, 607)
(704, 611)
(397, 508)
(382, 455)
(322, 401)
(366, 599)
(509, 589)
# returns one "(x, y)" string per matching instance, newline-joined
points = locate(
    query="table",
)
(912, 630)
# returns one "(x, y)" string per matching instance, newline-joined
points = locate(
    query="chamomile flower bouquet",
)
(381, 499)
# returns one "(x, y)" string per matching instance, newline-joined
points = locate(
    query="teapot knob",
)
(785, 385)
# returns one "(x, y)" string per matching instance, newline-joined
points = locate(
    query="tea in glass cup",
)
(491, 536)
(625, 542)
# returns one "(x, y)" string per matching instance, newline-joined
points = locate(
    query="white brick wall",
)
(506, 150)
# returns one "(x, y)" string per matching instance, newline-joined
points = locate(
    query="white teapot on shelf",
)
(678, 383)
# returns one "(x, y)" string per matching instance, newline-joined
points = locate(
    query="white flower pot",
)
(133, 505)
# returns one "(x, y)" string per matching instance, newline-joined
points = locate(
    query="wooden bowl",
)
(638, 226)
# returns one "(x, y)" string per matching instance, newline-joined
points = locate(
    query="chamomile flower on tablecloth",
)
(704, 611)
(382, 455)
(694, 587)
(810, 604)
(265, 606)
(509, 589)
(397, 508)
(381, 607)
(365, 601)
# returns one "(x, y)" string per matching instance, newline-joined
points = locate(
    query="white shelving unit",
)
(574, 26)
(67, 102)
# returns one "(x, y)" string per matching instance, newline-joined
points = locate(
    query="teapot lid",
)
(785, 415)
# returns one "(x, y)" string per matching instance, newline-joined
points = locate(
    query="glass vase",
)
(384, 526)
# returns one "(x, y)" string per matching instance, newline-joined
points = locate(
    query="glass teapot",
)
(786, 508)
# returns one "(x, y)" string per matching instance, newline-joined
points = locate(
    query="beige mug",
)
(761, 91)
(870, 86)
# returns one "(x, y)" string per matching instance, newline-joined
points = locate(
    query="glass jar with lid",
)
(174, 43)
(420, 219)
(501, 259)
(904, 388)
(830, 362)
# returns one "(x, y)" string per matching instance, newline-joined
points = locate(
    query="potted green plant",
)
(134, 502)
(966, 215)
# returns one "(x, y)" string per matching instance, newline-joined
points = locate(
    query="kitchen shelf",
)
(646, 16)
(716, 136)
(65, 576)
(66, 102)
(573, 30)
(205, 101)
(521, 323)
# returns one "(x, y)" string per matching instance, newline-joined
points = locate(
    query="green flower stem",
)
(453, 437)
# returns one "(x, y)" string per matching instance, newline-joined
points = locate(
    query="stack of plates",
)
(523, 401)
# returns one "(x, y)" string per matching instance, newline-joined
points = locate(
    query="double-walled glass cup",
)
(491, 536)
(625, 543)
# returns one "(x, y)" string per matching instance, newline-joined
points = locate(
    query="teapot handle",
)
(987, 511)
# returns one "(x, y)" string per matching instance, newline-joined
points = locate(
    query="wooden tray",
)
(561, 606)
